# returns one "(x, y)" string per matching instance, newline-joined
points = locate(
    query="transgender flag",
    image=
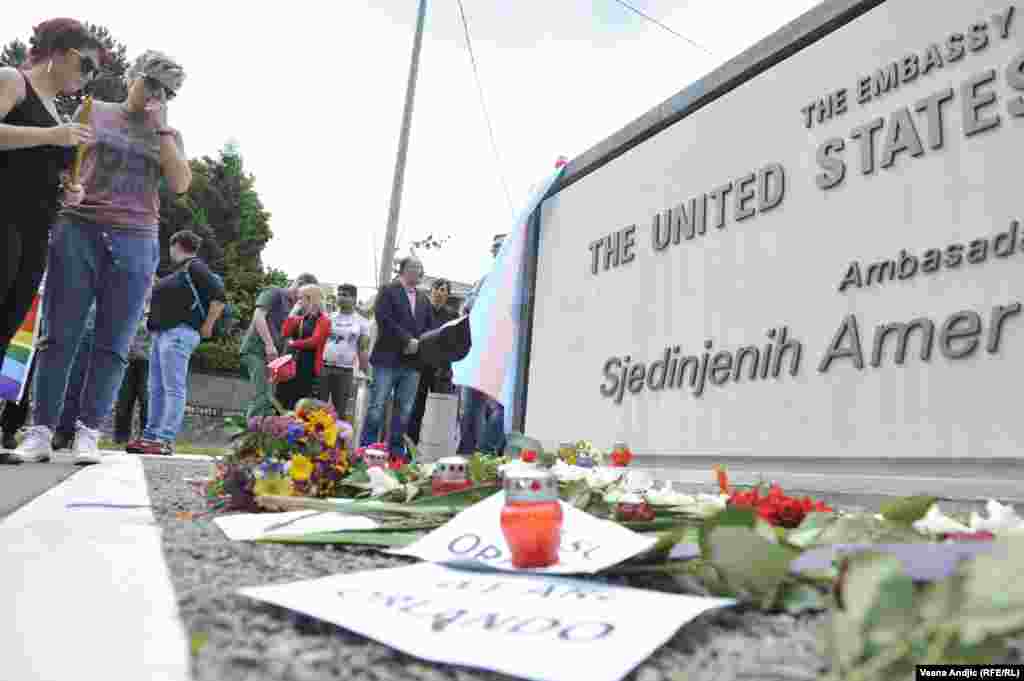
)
(496, 319)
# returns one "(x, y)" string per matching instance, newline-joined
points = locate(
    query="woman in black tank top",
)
(36, 151)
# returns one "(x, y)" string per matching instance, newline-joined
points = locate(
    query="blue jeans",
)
(169, 354)
(88, 263)
(483, 424)
(403, 382)
(76, 383)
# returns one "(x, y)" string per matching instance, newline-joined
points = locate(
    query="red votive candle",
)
(451, 474)
(532, 517)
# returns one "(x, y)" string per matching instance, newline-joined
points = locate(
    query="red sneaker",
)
(134, 446)
(155, 448)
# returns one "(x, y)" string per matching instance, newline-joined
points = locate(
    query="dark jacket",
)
(173, 299)
(396, 326)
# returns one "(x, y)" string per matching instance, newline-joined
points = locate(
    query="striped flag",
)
(19, 355)
(496, 318)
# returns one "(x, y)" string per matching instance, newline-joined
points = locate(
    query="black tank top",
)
(30, 178)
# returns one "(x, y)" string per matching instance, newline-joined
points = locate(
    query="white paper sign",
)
(531, 626)
(253, 526)
(475, 537)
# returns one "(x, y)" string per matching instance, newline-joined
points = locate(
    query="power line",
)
(655, 21)
(483, 105)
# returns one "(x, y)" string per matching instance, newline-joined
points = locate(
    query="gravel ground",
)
(255, 641)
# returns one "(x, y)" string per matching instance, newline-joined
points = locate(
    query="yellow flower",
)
(321, 423)
(302, 467)
(273, 487)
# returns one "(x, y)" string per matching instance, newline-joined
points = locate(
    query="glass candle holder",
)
(532, 517)
(621, 455)
(376, 457)
(451, 474)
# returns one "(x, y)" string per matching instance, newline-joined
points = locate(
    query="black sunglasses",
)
(156, 86)
(86, 64)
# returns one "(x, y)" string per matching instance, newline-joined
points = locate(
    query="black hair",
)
(188, 240)
(304, 279)
(348, 288)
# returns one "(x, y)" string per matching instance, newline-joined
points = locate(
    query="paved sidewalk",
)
(83, 580)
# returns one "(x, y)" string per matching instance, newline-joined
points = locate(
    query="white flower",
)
(1000, 519)
(381, 482)
(603, 477)
(563, 472)
(937, 522)
(427, 469)
(666, 496)
(708, 504)
(638, 481)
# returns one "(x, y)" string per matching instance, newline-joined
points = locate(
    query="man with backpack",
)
(185, 309)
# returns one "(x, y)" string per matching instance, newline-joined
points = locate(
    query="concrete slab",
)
(93, 578)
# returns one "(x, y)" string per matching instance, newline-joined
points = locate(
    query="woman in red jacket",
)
(306, 331)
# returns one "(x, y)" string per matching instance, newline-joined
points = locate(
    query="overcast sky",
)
(313, 92)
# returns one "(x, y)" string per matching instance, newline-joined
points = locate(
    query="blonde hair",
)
(315, 294)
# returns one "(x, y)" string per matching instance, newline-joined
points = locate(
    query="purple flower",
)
(295, 431)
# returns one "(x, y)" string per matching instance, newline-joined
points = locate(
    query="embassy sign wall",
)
(828, 260)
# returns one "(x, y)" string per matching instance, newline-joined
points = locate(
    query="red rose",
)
(528, 456)
(769, 512)
(790, 512)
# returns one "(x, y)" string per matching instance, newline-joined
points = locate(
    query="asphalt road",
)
(23, 483)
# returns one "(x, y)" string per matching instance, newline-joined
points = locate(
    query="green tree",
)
(14, 53)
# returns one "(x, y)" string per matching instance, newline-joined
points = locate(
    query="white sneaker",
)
(87, 445)
(36, 447)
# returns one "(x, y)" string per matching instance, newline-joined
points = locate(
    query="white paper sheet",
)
(474, 537)
(253, 526)
(531, 626)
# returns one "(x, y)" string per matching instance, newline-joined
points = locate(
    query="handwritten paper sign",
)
(253, 526)
(531, 626)
(474, 538)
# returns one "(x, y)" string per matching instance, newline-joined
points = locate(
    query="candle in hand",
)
(76, 168)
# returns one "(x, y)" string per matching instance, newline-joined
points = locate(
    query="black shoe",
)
(10, 442)
(62, 441)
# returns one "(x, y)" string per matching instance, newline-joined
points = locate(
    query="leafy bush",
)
(218, 356)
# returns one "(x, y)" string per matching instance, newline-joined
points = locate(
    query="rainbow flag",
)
(497, 319)
(19, 355)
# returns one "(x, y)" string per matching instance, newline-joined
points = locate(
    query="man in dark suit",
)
(439, 379)
(403, 315)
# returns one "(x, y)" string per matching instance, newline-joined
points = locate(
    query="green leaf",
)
(731, 516)
(681, 534)
(866, 529)
(993, 592)
(748, 561)
(456, 501)
(908, 510)
(810, 529)
(391, 539)
(796, 598)
(477, 468)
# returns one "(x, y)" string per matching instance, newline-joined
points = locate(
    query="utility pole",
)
(388, 254)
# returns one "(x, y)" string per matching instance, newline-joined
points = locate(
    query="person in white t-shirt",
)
(347, 347)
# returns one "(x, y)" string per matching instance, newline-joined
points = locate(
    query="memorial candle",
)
(532, 517)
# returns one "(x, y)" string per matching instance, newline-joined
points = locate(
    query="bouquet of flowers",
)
(302, 453)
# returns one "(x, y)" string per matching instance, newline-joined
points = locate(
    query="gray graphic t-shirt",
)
(121, 170)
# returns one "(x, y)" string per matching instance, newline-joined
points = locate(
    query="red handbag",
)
(281, 370)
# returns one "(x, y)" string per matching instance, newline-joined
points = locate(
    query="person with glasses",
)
(36, 150)
(106, 249)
